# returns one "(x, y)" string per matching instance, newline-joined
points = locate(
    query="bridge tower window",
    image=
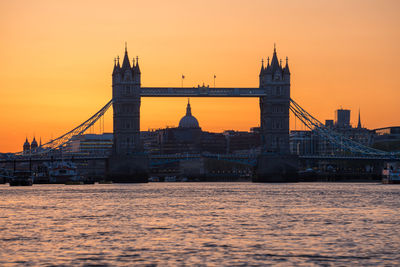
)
(127, 90)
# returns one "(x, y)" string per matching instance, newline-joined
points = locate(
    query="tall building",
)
(274, 107)
(342, 118)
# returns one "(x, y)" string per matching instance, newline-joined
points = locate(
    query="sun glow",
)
(57, 59)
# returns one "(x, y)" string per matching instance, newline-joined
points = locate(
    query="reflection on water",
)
(200, 224)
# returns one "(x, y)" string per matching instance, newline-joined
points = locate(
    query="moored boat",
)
(41, 176)
(64, 172)
(105, 182)
(170, 179)
(21, 178)
(154, 179)
(74, 182)
(391, 174)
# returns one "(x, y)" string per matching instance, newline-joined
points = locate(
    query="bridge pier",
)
(274, 168)
(128, 169)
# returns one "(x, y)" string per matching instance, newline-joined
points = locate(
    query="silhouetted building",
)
(91, 144)
(189, 138)
(185, 138)
(310, 142)
(303, 143)
(242, 141)
(329, 123)
(342, 118)
(387, 138)
(150, 141)
(215, 143)
(188, 121)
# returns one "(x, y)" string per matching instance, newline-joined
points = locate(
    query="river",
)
(201, 224)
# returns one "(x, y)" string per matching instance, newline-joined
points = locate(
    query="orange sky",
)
(57, 57)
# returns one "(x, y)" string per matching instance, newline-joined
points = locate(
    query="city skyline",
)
(64, 72)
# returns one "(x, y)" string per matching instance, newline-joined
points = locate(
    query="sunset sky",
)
(57, 58)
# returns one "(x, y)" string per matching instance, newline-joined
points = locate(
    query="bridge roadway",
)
(201, 91)
(185, 156)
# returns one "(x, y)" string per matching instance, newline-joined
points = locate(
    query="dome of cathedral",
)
(188, 121)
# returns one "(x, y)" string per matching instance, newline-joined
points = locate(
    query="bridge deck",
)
(195, 156)
(201, 92)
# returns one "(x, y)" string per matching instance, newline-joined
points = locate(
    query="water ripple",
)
(200, 224)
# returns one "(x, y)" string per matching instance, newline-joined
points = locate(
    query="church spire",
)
(359, 120)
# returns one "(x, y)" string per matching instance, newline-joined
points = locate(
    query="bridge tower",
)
(275, 164)
(274, 108)
(126, 106)
(127, 163)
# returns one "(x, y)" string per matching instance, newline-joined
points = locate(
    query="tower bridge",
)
(129, 163)
(273, 92)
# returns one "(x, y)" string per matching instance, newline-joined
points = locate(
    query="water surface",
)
(213, 224)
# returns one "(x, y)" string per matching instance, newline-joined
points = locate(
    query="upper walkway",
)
(202, 91)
